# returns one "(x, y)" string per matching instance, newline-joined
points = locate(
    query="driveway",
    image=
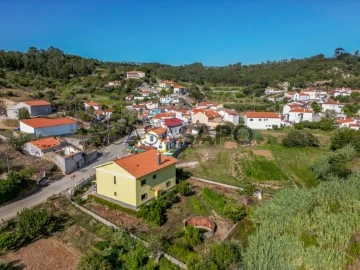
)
(110, 153)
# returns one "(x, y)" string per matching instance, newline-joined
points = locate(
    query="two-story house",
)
(159, 138)
(210, 118)
(134, 74)
(262, 120)
(134, 180)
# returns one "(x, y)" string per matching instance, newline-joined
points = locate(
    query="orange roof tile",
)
(144, 163)
(300, 110)
(47, 122)
(46, 143)
(164, 115)
(92, 103)
(37, 103)
(262, 115)
(159, 130)
(343, 121)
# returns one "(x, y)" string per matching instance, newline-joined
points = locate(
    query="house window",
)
(114, 180)
(260, 120)
(168, 184)
(115, 194)
(143, 182)
(251, 120)
(154, 176)
(144, 196)
(151, 138)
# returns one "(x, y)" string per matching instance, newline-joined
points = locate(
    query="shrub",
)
(192, 236)
(345, 136)
(234, 212)
(271, 139)
(225, 255)
(11, 187)
(248, 188)
(154, 212)
(300, 138)
(184, 189)
(258, 136)
(111, 205)
(24, 113)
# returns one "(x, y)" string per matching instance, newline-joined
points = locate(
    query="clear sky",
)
(182, 31)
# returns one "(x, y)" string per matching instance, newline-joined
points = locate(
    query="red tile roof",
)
(47, 122)
(159, 130)
(164, 115)
(46, 143)
(300, 110)
(37, 103)
(332, 102)
(262, 115)
(92, 103)
(343, 121)
(173, 122)
(144, 163)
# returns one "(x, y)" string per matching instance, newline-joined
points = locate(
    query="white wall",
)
(262, 123)
(299, 117)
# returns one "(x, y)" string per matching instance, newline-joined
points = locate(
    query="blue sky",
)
(183, 32)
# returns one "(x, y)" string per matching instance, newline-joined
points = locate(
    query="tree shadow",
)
(13, 265)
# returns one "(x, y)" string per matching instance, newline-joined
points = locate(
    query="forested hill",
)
(343, 70)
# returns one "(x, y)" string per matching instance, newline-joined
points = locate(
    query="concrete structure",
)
(179, 90)
(333, 106)
(166, 84)
(348, 123)
(34, 107)
(173, 126)
(134, 74)
(40, 147)
(169, 100)
(210, 118)
(262, 120)
(209, 105)
(137, 179)
(344, 92)
(48, 127)
(103, 114)
(293, 105)
(159, 138)
(298, 115)
(229, 115)
(271, 91)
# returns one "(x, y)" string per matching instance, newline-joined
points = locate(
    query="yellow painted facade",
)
(114, 182)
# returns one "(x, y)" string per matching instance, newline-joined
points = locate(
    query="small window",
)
(251, 120)
(151, 138)
(114, 180)
(168, 183)
(115, 194)
(154, 176)
(143, 182)
(260, 120)
(144, 196)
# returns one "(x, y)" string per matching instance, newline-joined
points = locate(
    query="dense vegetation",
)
(307, 228)
(52, 68)
(13, 184)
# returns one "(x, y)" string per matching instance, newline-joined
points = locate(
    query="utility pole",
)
(7, 162)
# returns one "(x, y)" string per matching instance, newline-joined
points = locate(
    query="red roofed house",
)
(229, 115)
(208, 117)
(173, 125)
(297, 115)
(179, 89)
(134, 74)
(92, 104)
(262, 120)
(40, 147)
(349, 123)
(34, 107)
(48, 127)
(166, 84)
(137, 179)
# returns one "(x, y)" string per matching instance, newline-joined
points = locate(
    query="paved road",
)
(110, 153)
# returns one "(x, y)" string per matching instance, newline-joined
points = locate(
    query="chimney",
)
(159, 158)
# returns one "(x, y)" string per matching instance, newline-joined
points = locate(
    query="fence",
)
(81, 184)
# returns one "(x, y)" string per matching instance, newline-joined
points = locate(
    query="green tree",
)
(234, 212)
(23, 113)
(300, 138)
(192, 236)
(94, 261)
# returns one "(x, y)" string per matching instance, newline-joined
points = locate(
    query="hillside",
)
(52, 68)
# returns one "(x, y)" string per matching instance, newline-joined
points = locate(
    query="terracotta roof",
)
(343, 121)
(37, 103)
(173, 122)
(353, 125)
(135, 71)
(47, 122)
(203, 103)
(144, 163)
(179, 86)
(229, 111)
(300, 110)
(164, 115)
(211, 113)
(46, 143)
(159, 130)
(92, 103)
(332, 102)
(303, 94)
(262, 115)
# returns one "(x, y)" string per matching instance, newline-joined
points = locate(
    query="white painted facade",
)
(12, 112)
(49, 131)
(333, 106)
(262, 122)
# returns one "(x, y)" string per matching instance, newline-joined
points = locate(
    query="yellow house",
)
(136, 179)
(159, 139)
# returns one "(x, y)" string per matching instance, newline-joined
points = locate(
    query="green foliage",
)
(94, 261)
(11, 187)
(300, 138)
(248, 188)
(258, 136)
(18, 142)
(192, 236)
(334, 164)
(326, 124)
(225, 255)
(215, 199)
(327, 215)
(234, 212)
(345, 136)
(23, 113)
(261, 169)
(111, 205)
(184, 189)
(271, 139)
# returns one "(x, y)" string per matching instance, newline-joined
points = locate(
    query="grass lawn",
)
(296, 162)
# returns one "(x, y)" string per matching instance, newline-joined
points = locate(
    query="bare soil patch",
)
(45, 254)
(264, 153)
(230, 145)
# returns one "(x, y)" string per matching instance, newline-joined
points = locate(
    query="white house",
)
(134, 74)
(333, 106)
(298, 115)
(348, 122)
(48, 127)
(345, 92)
(262, 120)
(166, 84)
(295, 96)
(173, 125)
(292, 105)
(92, 104)
(34, 107)
(179, 89)
(270, 91)
(169, 100)
(209, 105)
(40, 147)
(312, 93)
(229, 115)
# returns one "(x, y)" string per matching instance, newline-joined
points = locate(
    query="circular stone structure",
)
(203, 223)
